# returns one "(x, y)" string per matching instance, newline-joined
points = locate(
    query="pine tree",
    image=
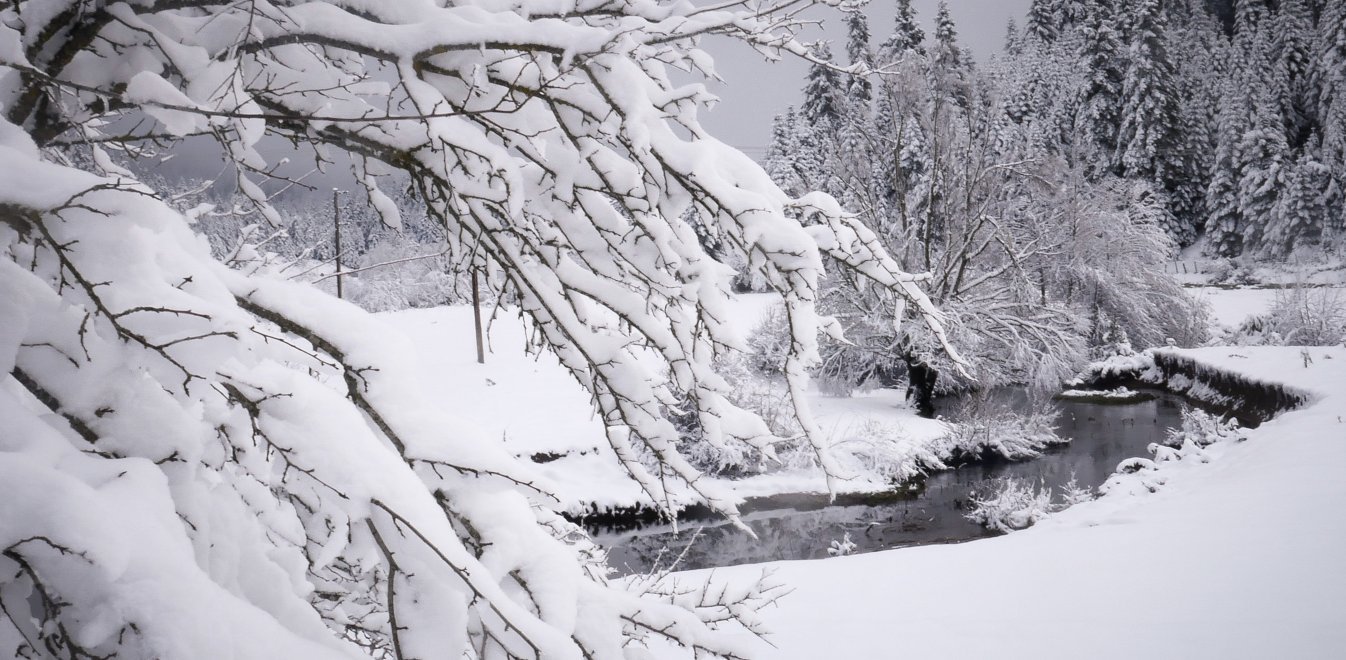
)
(824, 95)
(1292, 52)
(1249, 17)
(1262, 150)
(1099, 117)
(1013, 40)
(1073, 13)
(1330, 85)
(784, 154)
(1300, 216)
(900, 141)
(1332, 154)
(907, 36)
(1330, 72)
(859, 90)
(1043, 20)
(1224, 220)
(949, 70)
(1148, 139)
(1198, 47)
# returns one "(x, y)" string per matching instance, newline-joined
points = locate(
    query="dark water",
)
(1103, 436)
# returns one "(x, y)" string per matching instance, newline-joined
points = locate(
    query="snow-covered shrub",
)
(982, 427)
(1119, 367)
(1255, 330)
(1007, 504)
(884, 451)
(843, 547)
(1073, 493)
(1240, 272)
(1010, 503)
(1202, 429)
(1108, 339)
(1309, 316)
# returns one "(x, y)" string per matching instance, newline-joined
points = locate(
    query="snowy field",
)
(1240, 557)
(1229, 307)
(536, 408)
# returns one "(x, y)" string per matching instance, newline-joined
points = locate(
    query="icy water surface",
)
(1103, 436)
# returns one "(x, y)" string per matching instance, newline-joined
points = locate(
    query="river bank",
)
(1236, 556)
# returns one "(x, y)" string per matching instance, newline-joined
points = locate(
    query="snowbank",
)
(1240, 557)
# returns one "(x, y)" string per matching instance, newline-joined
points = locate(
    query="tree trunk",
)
(921, 379)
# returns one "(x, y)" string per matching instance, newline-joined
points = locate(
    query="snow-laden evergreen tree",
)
(859, 88)
(950, 69)
(1197, 46)
(949, 96)
(899, 141)
(1292, 51)
(1262, 153)
(1013, 38)
(205, 461)
(1329, 75)
(1099, 117)
(1224, 218)
(1329, 71)
(1044, 18)
(1149, 142)
(1301, 213)
(787, 160)
(824, 92)
(1332, 154)
(906, 37)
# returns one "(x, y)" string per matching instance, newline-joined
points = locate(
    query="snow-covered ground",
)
(535, 407)
(1230, 307)
(1238, 557)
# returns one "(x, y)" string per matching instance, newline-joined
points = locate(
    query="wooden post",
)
(336, 224)
(476, 315)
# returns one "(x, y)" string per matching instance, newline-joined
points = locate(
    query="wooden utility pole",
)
(336, 223)
(476, 315)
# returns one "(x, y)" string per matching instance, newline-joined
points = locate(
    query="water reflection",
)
(1103, 436)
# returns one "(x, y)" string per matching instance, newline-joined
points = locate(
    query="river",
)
(931, 511)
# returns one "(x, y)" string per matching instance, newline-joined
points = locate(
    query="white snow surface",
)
(1230, 307)
(531, 404)
(1238, 557)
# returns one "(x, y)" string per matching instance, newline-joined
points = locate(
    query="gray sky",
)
(755, 90)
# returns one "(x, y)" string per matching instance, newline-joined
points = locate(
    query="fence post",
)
(476, 316)
(336, 224)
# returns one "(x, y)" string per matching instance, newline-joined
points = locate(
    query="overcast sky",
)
(755, 90)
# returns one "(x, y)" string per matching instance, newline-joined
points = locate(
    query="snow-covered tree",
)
(859, 88)
(1291, 49)
(1224, 220)
(1329, 81)
(949, 68)
(906, 37)
(1148, 139)
(825, 92)
(1099, 115)
(1301, 213)
(201, 461)
(1044, 18)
